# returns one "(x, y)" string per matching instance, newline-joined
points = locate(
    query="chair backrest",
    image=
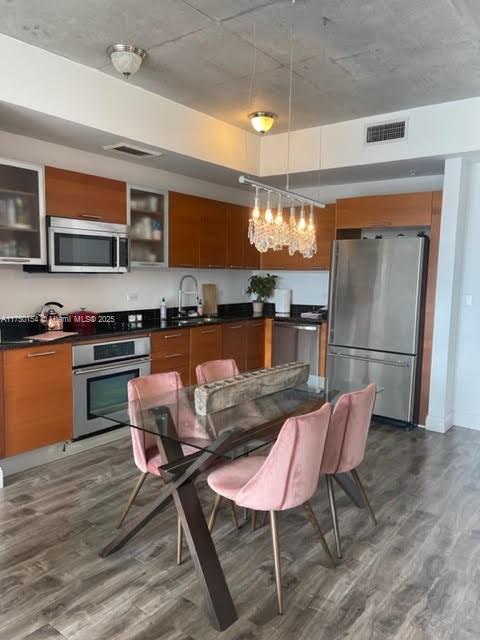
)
(216, 370)
(289, 476)
(348, 431)
(140, 391)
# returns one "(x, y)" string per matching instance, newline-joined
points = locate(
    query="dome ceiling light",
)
(126, 58)
(262, 121)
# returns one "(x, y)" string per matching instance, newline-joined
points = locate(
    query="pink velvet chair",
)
(216, 370)
(345, 446)
(286, 478)
(146, 454)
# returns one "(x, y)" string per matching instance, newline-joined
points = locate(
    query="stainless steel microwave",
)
(78, 246)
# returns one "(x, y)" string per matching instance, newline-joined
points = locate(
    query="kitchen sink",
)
(192, 322)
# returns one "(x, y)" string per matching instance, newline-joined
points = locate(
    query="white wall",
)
(23, 293)
(466, 400)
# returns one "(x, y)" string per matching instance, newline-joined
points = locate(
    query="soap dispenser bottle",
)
(163, 310)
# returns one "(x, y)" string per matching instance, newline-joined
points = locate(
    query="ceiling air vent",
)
(132, 150)
(386, 132)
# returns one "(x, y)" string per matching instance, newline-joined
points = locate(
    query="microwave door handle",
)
(116, 250)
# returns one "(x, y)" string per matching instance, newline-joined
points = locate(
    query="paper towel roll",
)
(283, 299)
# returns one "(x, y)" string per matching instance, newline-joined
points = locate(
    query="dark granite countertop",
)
(14, 334)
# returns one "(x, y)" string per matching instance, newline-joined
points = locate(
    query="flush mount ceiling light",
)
(126, 58)
(262, 121)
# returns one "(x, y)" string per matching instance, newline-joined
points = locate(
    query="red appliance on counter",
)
(83, 321)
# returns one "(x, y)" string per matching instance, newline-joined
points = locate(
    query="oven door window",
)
(108, 392)
(84, 250)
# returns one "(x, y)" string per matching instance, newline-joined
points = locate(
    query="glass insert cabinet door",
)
(22, 213)
(148, 227)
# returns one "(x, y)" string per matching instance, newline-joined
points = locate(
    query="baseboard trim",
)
(37, 457)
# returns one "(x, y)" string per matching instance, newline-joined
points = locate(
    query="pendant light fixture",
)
(126, 58)
(268, 232)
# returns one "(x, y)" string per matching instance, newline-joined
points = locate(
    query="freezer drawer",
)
(296, 343)
(394, 375)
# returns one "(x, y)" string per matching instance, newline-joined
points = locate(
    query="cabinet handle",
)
(15, 259)
(216, 266)
(41, 355)
(173, 335)
(91, 217)
(192, 266)
(174, 355)
(236, 266)
(257, 324)
(237, 326)
(209, 331)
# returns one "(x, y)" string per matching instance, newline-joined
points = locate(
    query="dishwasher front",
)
(296, 343)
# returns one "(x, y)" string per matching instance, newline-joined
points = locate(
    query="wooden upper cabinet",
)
(213, 233)
(398, 210)
(38, 403)
(236, 233)
(70, 194)
(183, 230)
(325, 225)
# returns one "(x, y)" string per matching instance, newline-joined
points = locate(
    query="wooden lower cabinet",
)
(234, 343)
(205, 345)
(255, 350)
(170, 351)
(38, 398)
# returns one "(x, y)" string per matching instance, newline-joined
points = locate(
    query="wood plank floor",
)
(414, 577)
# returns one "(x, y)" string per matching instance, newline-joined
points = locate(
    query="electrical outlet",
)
(132, 296)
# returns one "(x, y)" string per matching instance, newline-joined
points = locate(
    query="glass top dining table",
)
(172, 416)
(190, 443)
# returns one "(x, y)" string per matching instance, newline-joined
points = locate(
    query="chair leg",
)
(234, 514)
(276, 556)
(315, 524)
(132, 497)
(254, 520)
(179, 541)
(333, 511)
(213, 516)
(366, 501)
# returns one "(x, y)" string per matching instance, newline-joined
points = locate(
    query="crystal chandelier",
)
(267, 231)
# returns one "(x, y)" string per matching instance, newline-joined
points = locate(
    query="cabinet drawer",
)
(179, 362)
(38, 402)
(170, 342)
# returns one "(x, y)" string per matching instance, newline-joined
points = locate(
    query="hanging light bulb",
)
(268, 210)
(256, 210)
(302, 223)
(279, 216)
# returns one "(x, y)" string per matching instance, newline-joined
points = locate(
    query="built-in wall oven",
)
(101, 372)
(87, 246)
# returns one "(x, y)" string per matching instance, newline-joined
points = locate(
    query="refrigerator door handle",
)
(398, 363)
(331, 302)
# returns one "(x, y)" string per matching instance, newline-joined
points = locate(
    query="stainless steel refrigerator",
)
(375, 310)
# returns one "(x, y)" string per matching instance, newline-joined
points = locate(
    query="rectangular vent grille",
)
(386, 132)
(132, 150)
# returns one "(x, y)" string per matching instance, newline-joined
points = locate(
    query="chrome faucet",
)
(182, 292)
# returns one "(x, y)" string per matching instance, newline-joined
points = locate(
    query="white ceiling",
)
(351, 58)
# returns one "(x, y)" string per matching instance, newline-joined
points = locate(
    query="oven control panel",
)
(88, 354)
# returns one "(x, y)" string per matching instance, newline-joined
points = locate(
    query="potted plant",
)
(262, 287)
